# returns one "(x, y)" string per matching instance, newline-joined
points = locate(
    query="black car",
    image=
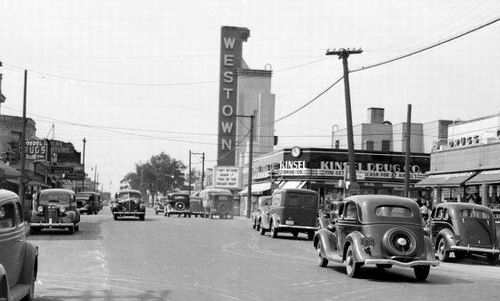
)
(128, 203)
(177, 204)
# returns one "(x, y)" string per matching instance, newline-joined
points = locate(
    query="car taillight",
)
(40, 209)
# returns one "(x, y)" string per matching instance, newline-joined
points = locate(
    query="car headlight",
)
(40, 209)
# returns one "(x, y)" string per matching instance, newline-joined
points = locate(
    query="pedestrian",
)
(424, 211)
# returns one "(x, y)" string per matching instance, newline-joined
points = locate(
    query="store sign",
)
(75, 176)
(232, 39)
(464, 141)
(60, 147)
(36, 149)
(292, 164)
(226, 177)
(71, 157)
(62, 169)
(369, 170)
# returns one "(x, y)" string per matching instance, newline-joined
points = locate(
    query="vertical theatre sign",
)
(232, 39)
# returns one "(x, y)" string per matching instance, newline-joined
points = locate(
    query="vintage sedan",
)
(196, 205)
(292, 210)
(464, 229)
(55, 208)
(128, 202)
(18, 257)
(376, 230)
(263, 205)
(177, 204)
(160, 205)
(88, 202)
(496, 216)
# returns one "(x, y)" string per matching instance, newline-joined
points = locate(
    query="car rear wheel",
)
(77, 227)
(322, 262)
(310, 235)
(115, 217)
(460, 255)
(295, 235)
(141, 217)
(492, 259)
(71, 229)
(421, 272)
(274, 231)
(442, 254)
(352, 268)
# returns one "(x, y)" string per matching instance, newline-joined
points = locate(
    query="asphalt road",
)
(201, 259)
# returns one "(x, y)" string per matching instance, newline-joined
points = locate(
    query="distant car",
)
(160, 205)
(18, 257)
(128, 203)
(196, 205)
(55, 208)
(292, 210)
(217, 202)
(263, 204)
(376, 230)
(177, 204)
(88, 202)
(464, 229)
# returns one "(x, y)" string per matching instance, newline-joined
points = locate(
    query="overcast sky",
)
(97, 63)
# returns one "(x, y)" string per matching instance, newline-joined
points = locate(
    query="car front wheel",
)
(274, 231)
(322, 262)
(442, 254)
(261, 228)
(421, 272)
(492, 259)
(352, 267)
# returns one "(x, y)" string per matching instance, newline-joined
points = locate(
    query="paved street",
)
(201, 259)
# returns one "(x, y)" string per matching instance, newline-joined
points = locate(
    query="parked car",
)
(18, 257)
(55, 208)
(88, 202)
(263, 205)
(128, 203)
(177, 204)
(376, 230)
(160, 205)
(196, 205)
(496, 216)
(217, 202)
(292, 210)
(464, 229)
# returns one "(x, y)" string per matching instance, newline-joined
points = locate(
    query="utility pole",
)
(408, 152)
(26, 208)
(95, 177)
(83, 163)
(344, 54)
(202, 167)
(250, 161)
(189, 189)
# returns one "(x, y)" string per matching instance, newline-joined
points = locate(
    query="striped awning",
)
(485, 177)
(445, 180)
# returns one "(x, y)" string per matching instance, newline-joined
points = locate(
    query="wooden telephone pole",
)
(344, 54)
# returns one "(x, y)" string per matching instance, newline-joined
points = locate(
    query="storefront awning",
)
(37, 183)
(485, 177)
(293, 184)
(9, 171)
(445, 180)
(13, 181)
(257, 189)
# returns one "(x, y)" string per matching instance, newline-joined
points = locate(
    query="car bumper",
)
(294, 227)
(129, 213)
(403, 264)
(177, 212)
(476, 249)
(51, 225)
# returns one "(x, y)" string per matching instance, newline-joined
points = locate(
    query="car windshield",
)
(129, 195)
(300, 200)
(393, 211)
(474, 213)
(55, 197)
(224, 198)
(179, 197)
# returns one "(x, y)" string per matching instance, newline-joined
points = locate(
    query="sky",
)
(136, 78)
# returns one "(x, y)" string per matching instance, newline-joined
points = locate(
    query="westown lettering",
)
(232, 39)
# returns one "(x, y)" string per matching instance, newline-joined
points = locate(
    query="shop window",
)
(386, 145)
(369, 145)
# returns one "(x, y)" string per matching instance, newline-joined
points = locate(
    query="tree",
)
(160, 174)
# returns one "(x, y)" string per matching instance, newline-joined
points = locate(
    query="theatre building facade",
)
(326, 171)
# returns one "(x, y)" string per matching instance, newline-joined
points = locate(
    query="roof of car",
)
(296, 190)
(92, 192)
(7, 194)
(381, 199)
(129, 190)
(57, 190)
(369, 203)
(459, 206)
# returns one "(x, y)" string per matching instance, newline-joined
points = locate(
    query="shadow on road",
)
(88, 231)
(400, 275)
(67, 294)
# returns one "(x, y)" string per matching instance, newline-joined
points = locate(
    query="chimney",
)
(375, 115)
